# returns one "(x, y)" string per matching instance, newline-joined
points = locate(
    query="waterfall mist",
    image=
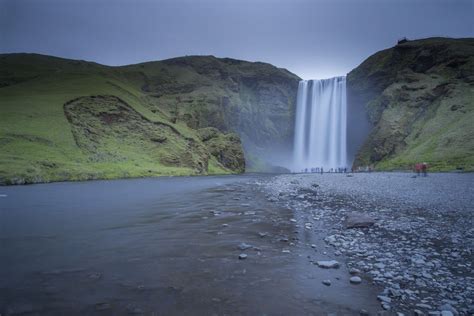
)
(321, 125)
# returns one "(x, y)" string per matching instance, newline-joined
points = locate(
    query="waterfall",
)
(320, 126)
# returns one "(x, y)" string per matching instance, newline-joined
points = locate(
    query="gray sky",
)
(312, 38)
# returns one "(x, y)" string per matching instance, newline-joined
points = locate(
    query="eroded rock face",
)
(417, 100)
(108, 130)
(254, 100)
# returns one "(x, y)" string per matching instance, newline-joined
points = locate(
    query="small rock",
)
(327, 282)
(293, 220)
(448, 308)
(133, 309)
(355, 280)
(354, 271)
(329, 264)
(242, 256)
(358, 220)
(386, 306)
(95, 276)
(244, 246)
(102, 306)
(384, 299)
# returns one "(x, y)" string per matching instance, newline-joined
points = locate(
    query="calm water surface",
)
(165, 246)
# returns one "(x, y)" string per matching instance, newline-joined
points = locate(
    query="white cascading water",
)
(320, 127)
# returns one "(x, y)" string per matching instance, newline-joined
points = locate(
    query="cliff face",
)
(254, 100)
(66, 119)
(417, 100)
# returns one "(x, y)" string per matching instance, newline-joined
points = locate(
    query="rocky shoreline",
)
(413, 237)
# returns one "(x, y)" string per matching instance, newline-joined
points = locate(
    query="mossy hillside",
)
(418, 96)
(255, 100)
(37, 141)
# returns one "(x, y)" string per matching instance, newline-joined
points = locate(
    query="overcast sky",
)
(312, 38)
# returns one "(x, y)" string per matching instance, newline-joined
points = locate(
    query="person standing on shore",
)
(424, 169)
(418, 168)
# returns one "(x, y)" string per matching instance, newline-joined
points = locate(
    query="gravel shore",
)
(419, 245)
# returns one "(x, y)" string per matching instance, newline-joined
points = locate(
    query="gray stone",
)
(327, 282)
(329, 264)
(425, 306)
(358, 220)
(244, 246)
(102, 306)
(355, 280)
(448, 308)
(242, 256)
(384, 299)
(386, 306)
(354, 271)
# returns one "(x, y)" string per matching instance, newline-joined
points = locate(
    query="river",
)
(164, 246)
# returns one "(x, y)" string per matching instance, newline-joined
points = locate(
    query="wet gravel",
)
(420, 248)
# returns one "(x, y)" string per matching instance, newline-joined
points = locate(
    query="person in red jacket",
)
(418, 168)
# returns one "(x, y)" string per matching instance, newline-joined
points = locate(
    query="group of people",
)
(321, 170)
(421, 168)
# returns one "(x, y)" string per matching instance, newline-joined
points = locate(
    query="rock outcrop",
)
(417, 98)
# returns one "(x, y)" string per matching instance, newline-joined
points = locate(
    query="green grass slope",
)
(419, 97)
(72, 120)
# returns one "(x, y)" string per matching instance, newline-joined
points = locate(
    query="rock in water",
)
(358, 220)
(329, 264)
(355, 280)
(244, 246)
(242, 256)
(327, 282)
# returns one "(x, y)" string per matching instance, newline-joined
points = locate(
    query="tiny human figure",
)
(418, 168)
(322, 170)
(424, 169)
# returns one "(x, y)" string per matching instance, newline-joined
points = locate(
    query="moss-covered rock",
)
(226, 148)
(418, 97)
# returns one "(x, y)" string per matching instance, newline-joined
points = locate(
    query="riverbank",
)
(420, 245)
